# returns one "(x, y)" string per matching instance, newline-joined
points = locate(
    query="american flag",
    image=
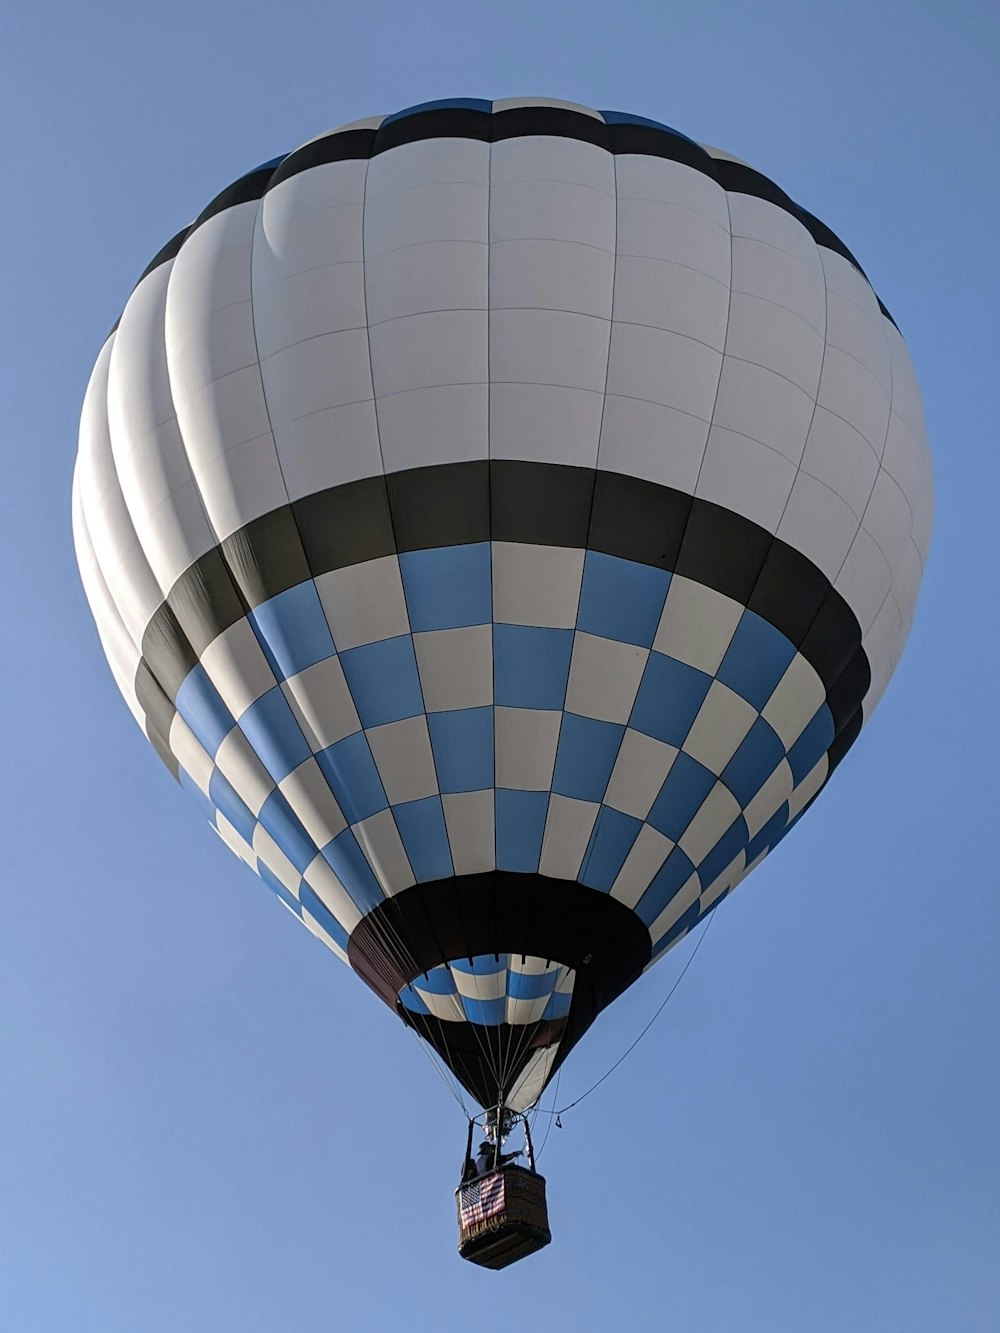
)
(482, 1198)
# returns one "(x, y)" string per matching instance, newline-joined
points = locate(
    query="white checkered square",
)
(675, 909)
(238, 763)
(470, 821)
(697, 624)
(235, 664)
(794, 701)
(647, 855)
(307, 792)
(321, 704)
(526, 741)
(456, 667)
(568, 827)
(536, 585)
(715, 815)
(364, 603)
(604, 677)
(402, 754)
(639, 772)
(769, 799)
(383, 848)
(719, 728)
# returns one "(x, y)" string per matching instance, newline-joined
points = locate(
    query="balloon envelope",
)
(502, 518)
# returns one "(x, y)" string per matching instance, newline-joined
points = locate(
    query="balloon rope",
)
(550, 1114)
(625, 1054)
(436, 1066)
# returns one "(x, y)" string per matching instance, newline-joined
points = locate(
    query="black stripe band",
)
(493, 127)
(541, 504)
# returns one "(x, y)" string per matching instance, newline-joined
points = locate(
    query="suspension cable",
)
(630, 1049)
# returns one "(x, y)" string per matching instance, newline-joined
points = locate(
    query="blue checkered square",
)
(755, 660)
(664, 886)
(462, 744)
(347, 861)
(270, 727)
(383, 680)
(292, 630)
(725, 850)
(425, 839)
(201, 707)
(610, 843)
(811, 746)
(203, 803)
(278, 889)
(684, 789)
(277, 818)
(558, 1006)
(530, 985)
(316, 908)
(621, 599)
(753, 763)
(448, 587)
(488, 1013)
(228, 802)
(680, 927)
(585, 757)
(772, 833)
(351, 775)
(520, 824)
(531, 666)
(670, 695)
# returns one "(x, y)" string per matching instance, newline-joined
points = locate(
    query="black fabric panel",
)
(789, 591)
(205, 600)
(345, 525)
(498, 912)
(648, 141)
(638, 520)
(242, 191)
(160, 744)
(723, 550)
(436, 123)
(833, 639)
(347, 146)
(740, 179)
(266, 557)
(885, 312)
(852, 686)
(158, 709)
(431, 503)
(541, 504)
(163, 256)
(845, 738)
(167, 651)
(523, 121)
(501, 912)
(461, 1047)
(822, 235)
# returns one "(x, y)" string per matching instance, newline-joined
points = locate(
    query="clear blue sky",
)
(206, 1123)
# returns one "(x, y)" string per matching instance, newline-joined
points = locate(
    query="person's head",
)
(485, 1146)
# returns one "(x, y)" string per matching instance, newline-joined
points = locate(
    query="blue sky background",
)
(206, 1123)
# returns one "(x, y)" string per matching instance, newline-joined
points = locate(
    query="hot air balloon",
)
(502, 517)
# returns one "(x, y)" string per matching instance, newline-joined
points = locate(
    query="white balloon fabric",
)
(502, 518)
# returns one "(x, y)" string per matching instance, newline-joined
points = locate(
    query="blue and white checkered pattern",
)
(503, 706)
(493, 989)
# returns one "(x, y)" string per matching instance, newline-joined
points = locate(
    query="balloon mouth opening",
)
(500, 972)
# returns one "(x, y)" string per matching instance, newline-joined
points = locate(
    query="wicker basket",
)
(502, 1217)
